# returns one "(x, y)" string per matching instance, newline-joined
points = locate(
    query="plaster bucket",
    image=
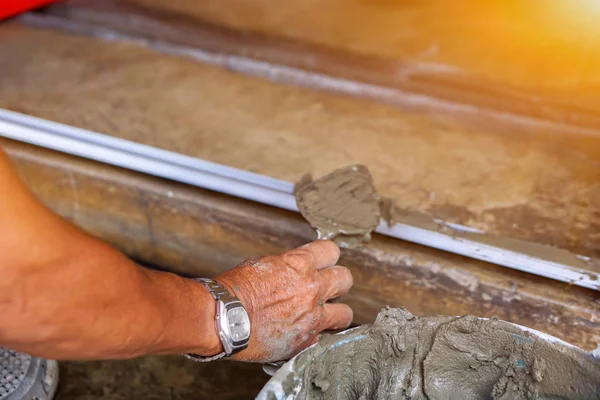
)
(289, 381)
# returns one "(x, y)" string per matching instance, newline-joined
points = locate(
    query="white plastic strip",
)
(574, 273)
(147, 159)
(262, 189)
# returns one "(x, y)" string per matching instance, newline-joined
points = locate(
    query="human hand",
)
(286, 297)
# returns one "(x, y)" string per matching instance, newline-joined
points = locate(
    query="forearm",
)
(67, 295)
(101, 305)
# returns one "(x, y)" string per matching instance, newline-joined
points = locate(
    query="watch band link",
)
(217, 291)
(198, 358)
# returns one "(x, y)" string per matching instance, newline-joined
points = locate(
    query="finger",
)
(334, 282)
(337, 316)
(320, 254)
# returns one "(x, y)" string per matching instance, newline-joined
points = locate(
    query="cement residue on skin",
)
(342, 206)
(438, 357)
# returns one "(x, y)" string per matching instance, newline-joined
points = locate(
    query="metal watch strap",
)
(218, 292)
(197, 358)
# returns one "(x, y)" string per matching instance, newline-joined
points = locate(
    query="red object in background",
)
(8, 8)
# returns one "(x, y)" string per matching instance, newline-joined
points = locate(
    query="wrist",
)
(209, 343)
(187, 316)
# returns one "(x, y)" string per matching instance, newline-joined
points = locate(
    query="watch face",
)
(239, 324)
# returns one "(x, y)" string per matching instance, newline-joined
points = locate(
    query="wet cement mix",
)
(402, 356)
(342, 206)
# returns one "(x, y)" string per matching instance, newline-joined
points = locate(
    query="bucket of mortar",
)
(577, 371)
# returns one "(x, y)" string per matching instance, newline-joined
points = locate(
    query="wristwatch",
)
(232, 322)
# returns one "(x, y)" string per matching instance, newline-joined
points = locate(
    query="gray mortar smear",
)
(342, 206)
(393, 214)
(402, 356)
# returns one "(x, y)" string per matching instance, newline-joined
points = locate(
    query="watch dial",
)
(239, 324)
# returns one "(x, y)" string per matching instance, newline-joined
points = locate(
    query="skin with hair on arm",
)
(67, 295)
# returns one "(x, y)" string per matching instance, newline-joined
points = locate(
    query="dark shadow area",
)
(149, 378)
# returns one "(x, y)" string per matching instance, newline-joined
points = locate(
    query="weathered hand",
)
(286, 297)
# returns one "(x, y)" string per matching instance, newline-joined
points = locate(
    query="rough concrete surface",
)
(449, 41)
(502, 177)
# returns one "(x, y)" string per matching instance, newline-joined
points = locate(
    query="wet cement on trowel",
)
(342, 206)
(402, 356)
